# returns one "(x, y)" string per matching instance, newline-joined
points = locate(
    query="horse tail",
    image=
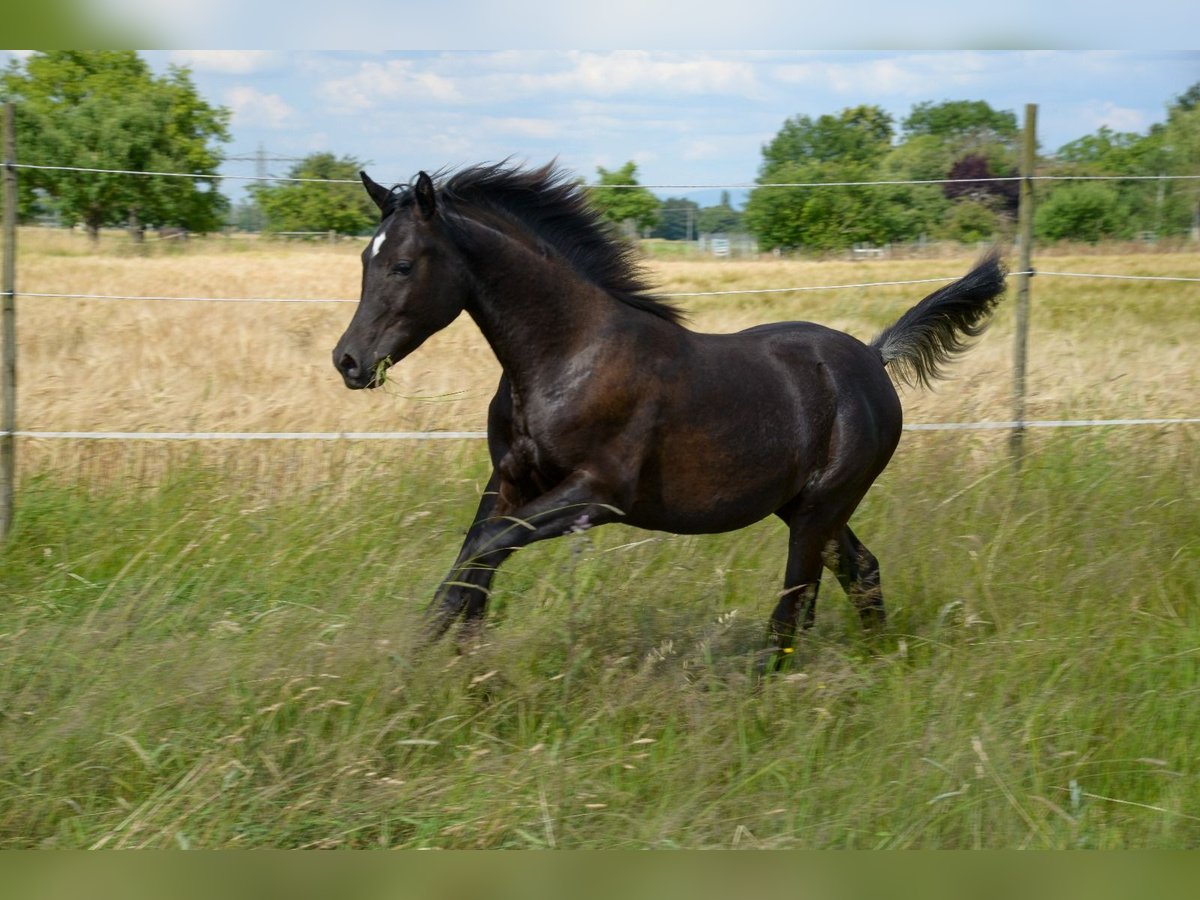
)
(939, 328)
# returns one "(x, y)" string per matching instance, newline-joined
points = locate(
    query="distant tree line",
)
(969, 142)
(107, 110)
(964, 147)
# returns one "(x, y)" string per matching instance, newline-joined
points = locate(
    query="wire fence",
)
(666, 295)
(470, 435)
(478, 435)
(220, 176)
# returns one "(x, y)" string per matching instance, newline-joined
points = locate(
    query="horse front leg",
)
(447, 606)
(580, 501)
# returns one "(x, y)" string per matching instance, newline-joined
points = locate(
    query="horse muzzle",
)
(355, 374)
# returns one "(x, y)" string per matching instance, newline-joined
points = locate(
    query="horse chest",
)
(526, 469)
(524, 473)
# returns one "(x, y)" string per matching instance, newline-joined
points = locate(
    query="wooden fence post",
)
(1021, 328)
(8, 324)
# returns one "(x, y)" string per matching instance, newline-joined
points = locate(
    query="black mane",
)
(556, 211)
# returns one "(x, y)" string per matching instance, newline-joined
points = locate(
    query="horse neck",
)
(532, 308)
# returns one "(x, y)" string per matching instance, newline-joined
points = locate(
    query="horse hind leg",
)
(813, 540)
(857, 571)
(797, 605)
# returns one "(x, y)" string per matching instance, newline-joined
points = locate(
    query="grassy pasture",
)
(210, 645)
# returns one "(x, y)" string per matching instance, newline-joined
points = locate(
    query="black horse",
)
(609, 409)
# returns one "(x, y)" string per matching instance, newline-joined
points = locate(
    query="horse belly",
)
(710, 481)
(753, 427)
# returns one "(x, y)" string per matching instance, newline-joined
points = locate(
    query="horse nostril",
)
(348, 365)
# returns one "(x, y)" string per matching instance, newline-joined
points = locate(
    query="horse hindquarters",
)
(864, 434)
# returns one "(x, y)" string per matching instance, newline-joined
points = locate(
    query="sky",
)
(685, 117)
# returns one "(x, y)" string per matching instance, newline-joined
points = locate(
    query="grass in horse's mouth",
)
(381, 368)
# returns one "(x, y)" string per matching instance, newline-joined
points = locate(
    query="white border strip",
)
(475, 435)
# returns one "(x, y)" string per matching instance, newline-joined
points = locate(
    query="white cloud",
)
(228, 62)
(639, 71)
(702, 149)
(1118, 118)
(525, 127)
(507, 76)
(252, 106)
(906, 75)
(378, 83)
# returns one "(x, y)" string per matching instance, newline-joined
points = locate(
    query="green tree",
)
(1106, 151)
(858, 134)
(317, 205)
(720, 218)
(969, 124)
(626, 206)
(848, 147)
(968, 221)
(1169, 148)
(957, 139)
(1179, 140)
(677, 219)
(1084, 211)
(106, 110)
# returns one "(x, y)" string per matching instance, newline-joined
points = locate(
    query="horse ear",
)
(426, 196)
(378, 192)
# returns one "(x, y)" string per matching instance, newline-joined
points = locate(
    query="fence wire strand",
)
(218, 176)
(668, 295)
(478, 435)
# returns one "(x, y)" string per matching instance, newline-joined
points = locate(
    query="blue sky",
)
(685, 117)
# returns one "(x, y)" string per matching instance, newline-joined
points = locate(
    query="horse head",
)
(411, 286)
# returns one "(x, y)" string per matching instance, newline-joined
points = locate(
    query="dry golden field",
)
(225, 653)
(1098, 348)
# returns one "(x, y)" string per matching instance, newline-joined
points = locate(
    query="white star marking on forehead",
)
(377, 243)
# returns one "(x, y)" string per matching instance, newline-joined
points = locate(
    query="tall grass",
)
(212, 645)
(208, 660)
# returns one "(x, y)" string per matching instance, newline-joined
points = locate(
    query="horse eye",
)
(402, 267)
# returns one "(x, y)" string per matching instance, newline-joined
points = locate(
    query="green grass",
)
(223, 655)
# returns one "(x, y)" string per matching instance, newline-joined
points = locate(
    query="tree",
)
(857, 134)
(106, 110)
(1189, 99)
(1106, 151)
(318, 205)
(970, 124)
(634, 206)
(1180, 141)
(848, 147)
(972, 178)
(677, 219)
(720, 218)
(1085, 211)
(1170, 148)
